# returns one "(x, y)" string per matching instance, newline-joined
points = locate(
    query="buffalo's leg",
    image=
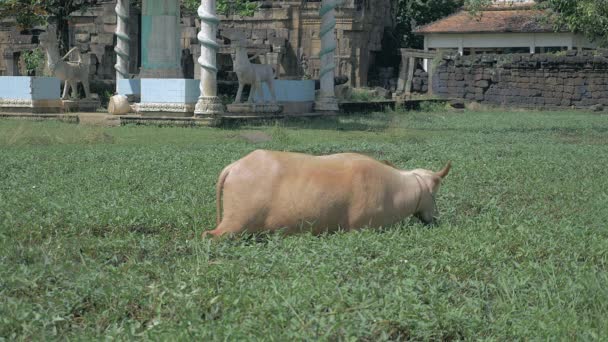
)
(222, 229)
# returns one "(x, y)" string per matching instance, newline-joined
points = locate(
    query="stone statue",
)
(249, 73)
(69, 72)
(304, 66)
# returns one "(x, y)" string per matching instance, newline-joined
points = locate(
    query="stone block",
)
(291, 91)
(283, 33)
(109, 28)
(189, 33)
(169, 90)
(32, 88)
(84, 28)
(129, 87)
(103, 39)
(109, 19)
(259, 34)
(579, 81)
(82, 37)
(482, 84)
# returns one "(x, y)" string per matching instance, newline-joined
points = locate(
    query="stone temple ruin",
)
(284, 33)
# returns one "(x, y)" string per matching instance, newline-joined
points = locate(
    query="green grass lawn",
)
(100, 234)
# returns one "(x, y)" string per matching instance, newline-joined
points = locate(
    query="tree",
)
(414, 13)
(29, 13)
(588, 17)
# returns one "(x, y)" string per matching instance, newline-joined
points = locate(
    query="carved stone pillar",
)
(327, 102)
(208, 104)
(123, 40)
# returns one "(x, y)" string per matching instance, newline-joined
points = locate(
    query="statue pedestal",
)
(254, 109)
(209, 107)
(166, 97)
(80, 105)
(24, 94)
(327, 105)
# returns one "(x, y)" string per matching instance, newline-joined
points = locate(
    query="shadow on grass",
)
(268, 237)
(375, 122)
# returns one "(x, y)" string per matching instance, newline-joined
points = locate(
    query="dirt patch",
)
(98, 119)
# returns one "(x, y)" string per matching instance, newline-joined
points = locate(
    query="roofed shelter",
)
(506, 26)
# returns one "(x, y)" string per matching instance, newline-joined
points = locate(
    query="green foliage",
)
(34, 61)
(100, 237)
(433, 106)
(279, 135)
(414, 13)
(28, 13)
(244, 8)
(364, 95)
(589, 17)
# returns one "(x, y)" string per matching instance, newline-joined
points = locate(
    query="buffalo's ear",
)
(444, 172)
(386, 162)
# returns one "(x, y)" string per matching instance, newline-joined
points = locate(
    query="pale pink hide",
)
(269, 190)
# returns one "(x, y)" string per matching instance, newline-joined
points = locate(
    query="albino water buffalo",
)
(294, 192)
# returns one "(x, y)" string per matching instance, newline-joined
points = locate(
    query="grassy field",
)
(100, 234)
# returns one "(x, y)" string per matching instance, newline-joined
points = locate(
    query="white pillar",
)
(461, 46)
(122, 40)
(533, 45)
(327, 101)
(208, 103)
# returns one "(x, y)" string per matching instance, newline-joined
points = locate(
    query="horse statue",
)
(67, 71)
(250, 73)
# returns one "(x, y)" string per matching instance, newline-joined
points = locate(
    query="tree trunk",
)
(63, 35)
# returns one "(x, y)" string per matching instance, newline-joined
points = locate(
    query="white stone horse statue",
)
(249, 73)
(69, 72)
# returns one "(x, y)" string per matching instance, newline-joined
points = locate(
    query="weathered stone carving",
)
(249, 73)
(208, 104)
(69, 72)
(327, 102)
(164, 107)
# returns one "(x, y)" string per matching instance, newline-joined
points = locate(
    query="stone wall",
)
(542, 80)
(285, 32)
(13, 43)
(291, 30)
(420, 82)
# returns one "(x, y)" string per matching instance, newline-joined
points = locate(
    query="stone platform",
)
(30, 106)
(70, 118)
(80, 105)
(254, 109)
